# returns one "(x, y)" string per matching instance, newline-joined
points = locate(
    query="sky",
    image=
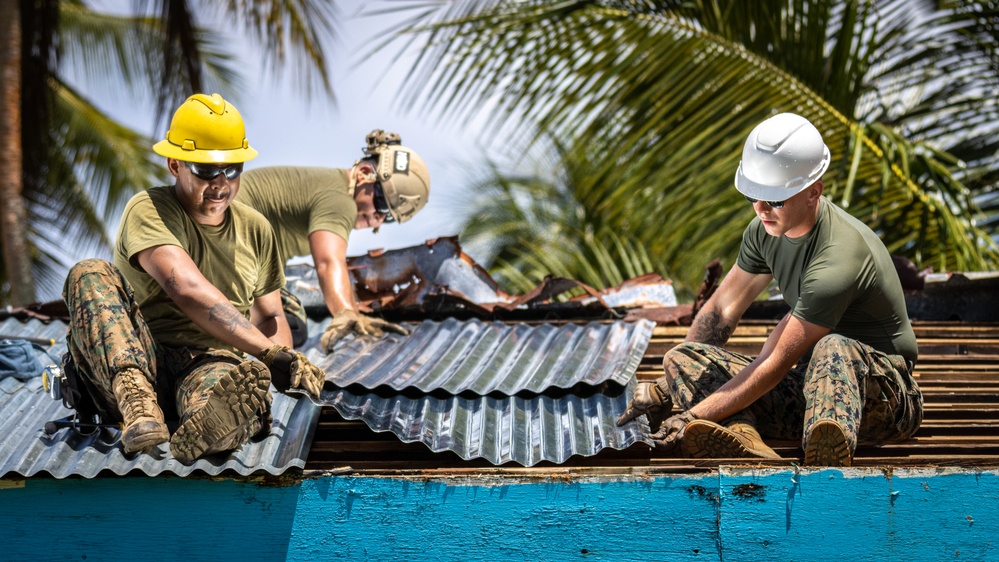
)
(288, 128)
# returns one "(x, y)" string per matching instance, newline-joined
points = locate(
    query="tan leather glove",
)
(671, 433)
(648, 400)
(291, 369)
(350, 321)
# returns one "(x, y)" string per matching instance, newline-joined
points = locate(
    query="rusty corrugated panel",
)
(439, 277)
(522, 429)
(409, 274)
(484, 357)
(25, 450)
(407, 277)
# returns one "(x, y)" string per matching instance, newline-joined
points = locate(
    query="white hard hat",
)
(782, 156)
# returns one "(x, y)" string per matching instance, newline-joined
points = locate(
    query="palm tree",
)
(531, 226)
(67, 163)
(659, 95)
(11, 185)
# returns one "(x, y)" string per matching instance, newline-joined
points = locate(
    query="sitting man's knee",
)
(92, 265)
(833, 343)
(86, 268)
(681, 351)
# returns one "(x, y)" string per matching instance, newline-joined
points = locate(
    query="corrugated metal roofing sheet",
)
(484, 357)
(457, 356)
(500, 429)
(26, 451)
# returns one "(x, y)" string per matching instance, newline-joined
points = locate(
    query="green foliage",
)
(81, 164)
(530, 227)
(660, 96)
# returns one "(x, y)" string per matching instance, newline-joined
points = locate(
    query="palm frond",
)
(108, 161)
(662, 95)
(94, 166)
(290, 31)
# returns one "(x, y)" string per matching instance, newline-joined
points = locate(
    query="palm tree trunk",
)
(12, 213)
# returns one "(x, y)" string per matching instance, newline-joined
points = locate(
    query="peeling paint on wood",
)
(733, 514)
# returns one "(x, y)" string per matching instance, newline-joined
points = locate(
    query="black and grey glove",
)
(671, 432)
(350, 321)
(648, 400)
(291, 369)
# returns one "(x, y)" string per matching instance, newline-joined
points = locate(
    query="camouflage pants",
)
(107, 334)
(870, 393)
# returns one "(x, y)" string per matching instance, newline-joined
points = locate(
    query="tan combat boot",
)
(826, 445)
(144, 425)
(703, 438)
(228, 418)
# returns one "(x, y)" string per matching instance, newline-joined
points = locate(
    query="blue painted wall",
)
(729, 515)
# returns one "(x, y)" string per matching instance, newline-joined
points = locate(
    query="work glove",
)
(347, 321)
(648, 400)
(671, 432)
(291, 369)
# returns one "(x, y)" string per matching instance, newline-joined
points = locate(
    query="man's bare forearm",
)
(225, 315)
(219, 318)
(276, 329)
(709, 327)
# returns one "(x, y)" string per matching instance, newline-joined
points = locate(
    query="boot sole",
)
(826, 445)
(235, 398)
(707, 439)
(237, 437)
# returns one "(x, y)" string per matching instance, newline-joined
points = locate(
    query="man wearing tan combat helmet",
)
(313, 211)
(165, 332)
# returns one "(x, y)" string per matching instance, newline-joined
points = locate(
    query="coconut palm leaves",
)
(533, 226)
(661, 95)
(79, 164)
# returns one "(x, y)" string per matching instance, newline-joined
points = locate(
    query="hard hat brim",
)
(233, 156)
(764, 192)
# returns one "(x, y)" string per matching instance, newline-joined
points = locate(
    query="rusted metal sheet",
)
(400, 278)
(501, 429)
(682, 314)
(483, 357)
(437, 277)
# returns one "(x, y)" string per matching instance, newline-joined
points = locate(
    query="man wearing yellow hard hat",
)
(165, 332)
(313, 211)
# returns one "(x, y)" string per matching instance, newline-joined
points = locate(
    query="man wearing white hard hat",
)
(837, 369)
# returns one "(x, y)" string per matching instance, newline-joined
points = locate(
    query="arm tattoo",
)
(170, 284)
(227, 315)
(708, 328)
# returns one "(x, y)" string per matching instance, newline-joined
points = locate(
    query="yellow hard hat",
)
(206, 130)
(401, 172)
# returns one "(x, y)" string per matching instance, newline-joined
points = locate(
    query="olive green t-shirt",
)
(239, 257)
(299, 201)
(839, 276)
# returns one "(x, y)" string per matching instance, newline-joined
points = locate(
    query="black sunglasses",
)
(209, 172)
(773, 204)
(381, 205)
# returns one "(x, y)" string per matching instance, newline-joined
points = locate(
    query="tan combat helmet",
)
(401, 172)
